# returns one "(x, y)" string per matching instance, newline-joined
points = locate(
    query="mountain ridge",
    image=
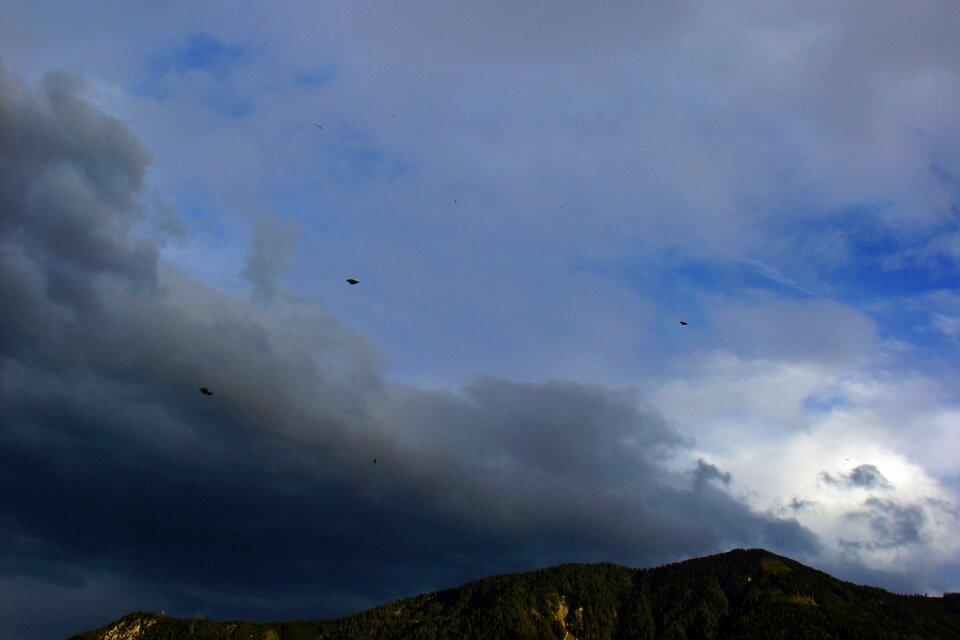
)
(743, 593)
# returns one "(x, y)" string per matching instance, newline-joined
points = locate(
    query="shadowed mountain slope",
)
(739, 594)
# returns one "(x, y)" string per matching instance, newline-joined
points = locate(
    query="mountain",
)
(740, 594)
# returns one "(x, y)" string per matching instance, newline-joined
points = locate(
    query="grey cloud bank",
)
(261, 500)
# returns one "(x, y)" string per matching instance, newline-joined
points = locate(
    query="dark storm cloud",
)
(579, 461)
(865, 476)
(262, 500)
(892, 524)
(868, 477)
(71, 178)
(706, 472)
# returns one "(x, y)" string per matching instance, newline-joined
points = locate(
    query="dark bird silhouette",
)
(206, 391)
(316, 125)
(374, 461)
(683, 322)
(352, 281)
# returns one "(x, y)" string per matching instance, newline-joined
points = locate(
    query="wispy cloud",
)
(201, 52)
(204, 67)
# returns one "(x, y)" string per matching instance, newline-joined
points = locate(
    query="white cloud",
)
(749, 419)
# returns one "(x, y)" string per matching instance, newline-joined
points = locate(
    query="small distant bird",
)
(454, 201)
(206, 391)
(683, 322)
(374, 461)
(352, 281)
(316, 125)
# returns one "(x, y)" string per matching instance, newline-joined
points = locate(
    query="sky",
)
(532, 196)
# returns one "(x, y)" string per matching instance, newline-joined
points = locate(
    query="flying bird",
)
(316, 125)
(683, 322)
(352, 281)
(206, 391)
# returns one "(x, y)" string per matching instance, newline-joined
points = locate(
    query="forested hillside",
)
(739, 594)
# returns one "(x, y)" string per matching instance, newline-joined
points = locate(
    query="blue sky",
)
(532, 198)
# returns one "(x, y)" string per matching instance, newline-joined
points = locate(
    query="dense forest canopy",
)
(741, 594)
